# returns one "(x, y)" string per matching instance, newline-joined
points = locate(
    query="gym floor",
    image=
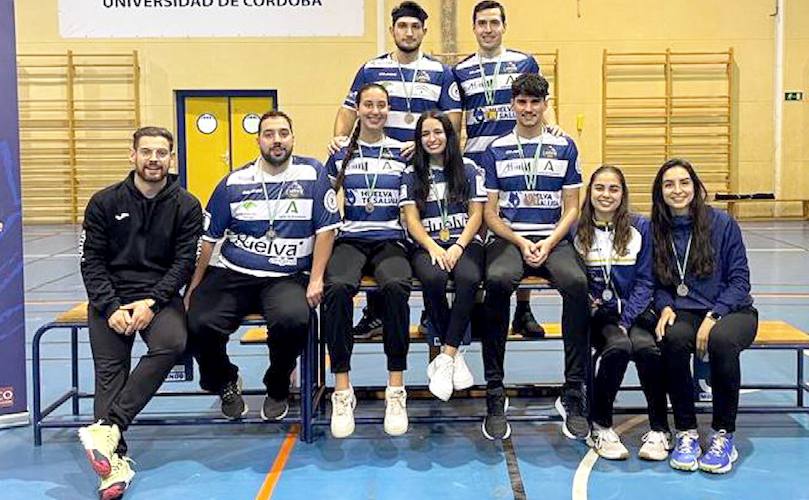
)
(430, 461)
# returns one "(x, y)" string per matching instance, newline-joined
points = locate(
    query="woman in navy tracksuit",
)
(703, 298)
(617, 249)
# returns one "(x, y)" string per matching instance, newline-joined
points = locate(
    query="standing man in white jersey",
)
(415, 83)
(485, 80)
(277, 217)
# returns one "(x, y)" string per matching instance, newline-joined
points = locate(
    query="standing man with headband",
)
(277, 216)
(485, 80)
(415, 83)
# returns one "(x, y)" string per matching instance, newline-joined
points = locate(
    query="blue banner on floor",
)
(13, 401)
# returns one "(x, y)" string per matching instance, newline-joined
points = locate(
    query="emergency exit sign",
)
(793, 96)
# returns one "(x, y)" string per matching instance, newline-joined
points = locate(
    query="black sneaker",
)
(233, 405)
(274, 409)
(571, 406)
(525, 324)
(423, 323)
(495, 425)
(367, 327)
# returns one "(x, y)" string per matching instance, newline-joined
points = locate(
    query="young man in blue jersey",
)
(485, 85)
(533, 180)
(416, 83)
(276, 218)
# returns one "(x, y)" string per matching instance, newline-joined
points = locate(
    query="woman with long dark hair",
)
(368, 176)
(443, 213)
(703, 298)
(616, 247)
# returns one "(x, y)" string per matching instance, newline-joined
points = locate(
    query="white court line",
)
(52, 256)
(776, 250)
(582, 475)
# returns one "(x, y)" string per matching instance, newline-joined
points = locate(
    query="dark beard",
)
(407, 50)
(273, 161)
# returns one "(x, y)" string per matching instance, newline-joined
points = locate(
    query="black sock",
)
(523, 306)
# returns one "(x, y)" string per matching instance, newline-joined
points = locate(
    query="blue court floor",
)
(431, 461)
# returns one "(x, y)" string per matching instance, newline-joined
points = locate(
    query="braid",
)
(350, 151)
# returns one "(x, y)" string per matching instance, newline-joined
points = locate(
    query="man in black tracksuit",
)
(139, 247)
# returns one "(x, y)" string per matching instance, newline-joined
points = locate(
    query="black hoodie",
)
(136, 248)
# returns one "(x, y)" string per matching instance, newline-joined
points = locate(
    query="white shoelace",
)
(396, 402)
(655, 437)
(342, 403)
(718, 444)
(685, 442)
(606, 436)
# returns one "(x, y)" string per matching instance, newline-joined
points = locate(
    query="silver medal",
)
(409, 118)
(682, 289)
(271, 234)
(606, 295)
(369, 206)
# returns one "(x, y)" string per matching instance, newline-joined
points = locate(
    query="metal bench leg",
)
(800, 377)
(37, 383)
(306, 382)
(74, 368)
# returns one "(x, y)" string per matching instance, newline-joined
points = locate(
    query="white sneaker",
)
(440, 373)
(461, 376)
(395, 411)
(656, 446)
(607, 444)
(342, 413)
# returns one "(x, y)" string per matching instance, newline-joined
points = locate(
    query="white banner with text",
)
(210, 18)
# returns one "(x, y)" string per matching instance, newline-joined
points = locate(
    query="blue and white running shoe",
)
(686, 451)
(720, 455)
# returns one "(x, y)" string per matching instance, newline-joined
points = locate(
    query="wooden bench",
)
(75, 319)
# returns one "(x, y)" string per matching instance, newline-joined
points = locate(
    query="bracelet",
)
(456, 243)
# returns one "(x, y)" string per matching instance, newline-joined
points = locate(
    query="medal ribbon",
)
(532, 173)
(682, 267)
(409, 93)
(490, 85)
(606, 266)
(443, 209)
(371, 185)
(272, 214)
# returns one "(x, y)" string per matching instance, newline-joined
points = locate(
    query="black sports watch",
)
(714, 316)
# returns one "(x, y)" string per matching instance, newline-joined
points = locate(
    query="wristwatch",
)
(714, 316)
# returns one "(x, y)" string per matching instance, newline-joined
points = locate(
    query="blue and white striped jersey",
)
(427, 82)
(303, 202)
(382, 223)
(535, 209)
(485, 122)
(457, 213)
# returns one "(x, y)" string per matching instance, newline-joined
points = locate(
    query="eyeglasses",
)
(161, 153)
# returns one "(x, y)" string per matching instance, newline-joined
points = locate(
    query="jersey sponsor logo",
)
(454, 221)
(510, 67)
(294, 190)
(248, 192)
(330, 201)
(454, 91)
(248, 205)
(283, 261)
(549, 152)
(423, 77)
(381, 197)
(277, 248)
